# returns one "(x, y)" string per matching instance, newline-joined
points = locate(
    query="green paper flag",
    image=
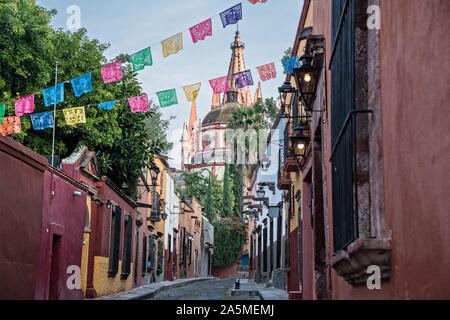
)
(2, 112)
(167, 98)
(141, 59)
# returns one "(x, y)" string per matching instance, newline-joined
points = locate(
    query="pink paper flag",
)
(139, 104)
(219, 85)
(24, 105)
(267, 71)
(201, 30)
(112, 72)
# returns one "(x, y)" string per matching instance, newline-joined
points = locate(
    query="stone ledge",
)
(352, 263)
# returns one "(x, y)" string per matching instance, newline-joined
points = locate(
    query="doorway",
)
(55, 263)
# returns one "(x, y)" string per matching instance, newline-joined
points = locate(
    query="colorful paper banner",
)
(231, 15)
(219, 85)
(24, 105)
(139, 104)
(290, 63)
(267, 71)
(201, 30)
(42, 120)
(243, 79)
(192, 91)
(2, 112)
(53, 95)
(141, 59)
(112, 72)
(74, 116)
(107, 105)
(172, 45)
(10, 125)
(82, 84)
(255, 1)
(167, 98)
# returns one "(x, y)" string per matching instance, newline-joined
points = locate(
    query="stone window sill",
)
(352, 263)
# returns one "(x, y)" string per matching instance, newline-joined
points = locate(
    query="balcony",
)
(290, 165)
(284, 182)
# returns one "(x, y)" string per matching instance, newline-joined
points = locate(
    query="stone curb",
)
(254, 289)
(150, 290)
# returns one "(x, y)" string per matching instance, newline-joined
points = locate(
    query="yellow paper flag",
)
(192, 91)
(172, 45)
(74, 116)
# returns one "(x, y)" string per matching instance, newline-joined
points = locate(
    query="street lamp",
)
(261, 193)
(287, 95)
(154, 172)
(306, 78)
(155, 214)
(164, 216)
(299, 140)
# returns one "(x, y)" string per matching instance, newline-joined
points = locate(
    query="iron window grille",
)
(116, 219)
(343, 162)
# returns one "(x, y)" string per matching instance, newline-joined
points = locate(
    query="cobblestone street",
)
(216, 289)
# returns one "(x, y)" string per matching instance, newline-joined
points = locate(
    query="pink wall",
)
(413, 48)
(64, 215)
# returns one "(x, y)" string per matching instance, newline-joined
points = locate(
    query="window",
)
(169, 244)
(160, 256)
(127, 238)
(196, 262)
(279, 234)
(265, 249)
(343, 123)
(190, 251)
(114, 243)
(144, 255)
(271, 245)
(151, 255)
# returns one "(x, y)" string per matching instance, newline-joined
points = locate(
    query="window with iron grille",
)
(169, 244)
(342, 66)
(279, 234)
(116, 221)
(127, 238)
(160, 256)
(144, 255)
(190, 251)
(151, 255)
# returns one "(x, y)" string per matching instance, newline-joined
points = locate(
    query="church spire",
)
(258, 93)
(193, 118)
(237, 64)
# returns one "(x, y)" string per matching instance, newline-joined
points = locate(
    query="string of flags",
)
(113, 72)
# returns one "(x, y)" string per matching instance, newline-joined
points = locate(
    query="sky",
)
(267, 29)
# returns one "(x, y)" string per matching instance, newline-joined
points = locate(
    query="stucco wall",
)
(105, 285)
(21, 197)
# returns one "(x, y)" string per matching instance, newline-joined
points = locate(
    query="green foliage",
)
(29, 48)
(229, 237)
(238, 182)
(208, 193)
(227, 197)
(157, 128)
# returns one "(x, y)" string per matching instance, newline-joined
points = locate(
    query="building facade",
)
(362, 194)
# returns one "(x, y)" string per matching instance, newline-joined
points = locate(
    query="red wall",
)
(64, 215)
(21, 195)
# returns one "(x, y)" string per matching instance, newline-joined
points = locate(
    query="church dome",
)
(224, 113)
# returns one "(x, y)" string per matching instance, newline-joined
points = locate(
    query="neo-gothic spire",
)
(237, 64)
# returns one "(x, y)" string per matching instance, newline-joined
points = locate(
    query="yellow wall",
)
(105, 285)
(161, 189)
(85, 250)
(296, 177)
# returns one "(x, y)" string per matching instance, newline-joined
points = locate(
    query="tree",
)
(227, 198)
(238, 182)
(28, 51)
(157, 128)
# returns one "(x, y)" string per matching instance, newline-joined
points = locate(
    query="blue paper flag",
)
(243, 79)
(290, 63)
(107, 105)
(42, 121)
(232, 15)
(82, 84)
(53, 95)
